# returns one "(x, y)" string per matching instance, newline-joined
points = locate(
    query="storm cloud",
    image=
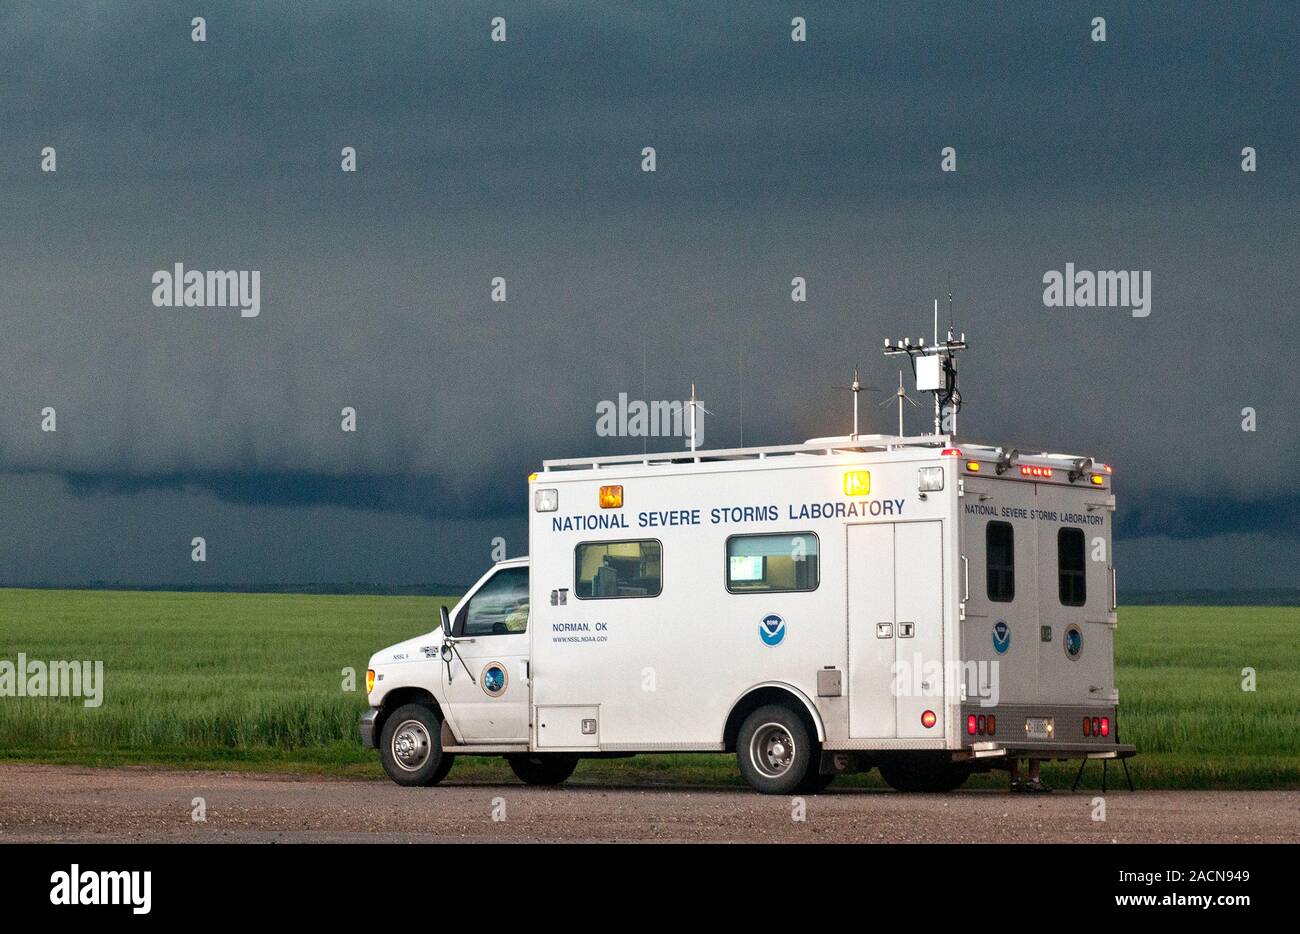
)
(522, 160)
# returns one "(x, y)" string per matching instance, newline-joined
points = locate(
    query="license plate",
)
(1038, 728)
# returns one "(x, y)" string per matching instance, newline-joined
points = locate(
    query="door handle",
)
(884, 630)
(965, 576)
(905, 630)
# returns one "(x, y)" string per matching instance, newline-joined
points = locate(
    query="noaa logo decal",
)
(494, 679)
(772, 629)
(1073, 642)
(1001, 637)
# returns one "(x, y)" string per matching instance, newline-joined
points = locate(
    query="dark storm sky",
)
(522, 160)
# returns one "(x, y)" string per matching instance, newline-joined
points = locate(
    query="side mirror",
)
(446, 620)
(447, 654)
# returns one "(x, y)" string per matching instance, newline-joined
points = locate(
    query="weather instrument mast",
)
(935, 368)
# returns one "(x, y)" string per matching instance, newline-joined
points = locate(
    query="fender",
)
(790, 688)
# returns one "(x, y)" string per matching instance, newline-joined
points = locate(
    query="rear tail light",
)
(1105, 726)
(928, 719)
(981, 725)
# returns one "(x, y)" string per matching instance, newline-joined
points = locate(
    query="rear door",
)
(1000, 636)
(1076, 660)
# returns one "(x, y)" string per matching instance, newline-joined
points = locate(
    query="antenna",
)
(900, 394)
(949, 302)
(856, 387)
(695, 403)
(935, 368)
(740, 370)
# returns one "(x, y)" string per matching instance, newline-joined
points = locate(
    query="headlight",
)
(370, 680)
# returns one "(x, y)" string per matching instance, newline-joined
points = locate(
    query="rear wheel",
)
(923, 772)
(774, 751)
(410, 747)
(545, 769)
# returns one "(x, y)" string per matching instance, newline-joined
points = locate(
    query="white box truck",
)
(911, 604)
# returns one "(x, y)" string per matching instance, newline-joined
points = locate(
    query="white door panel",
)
(871, 631)
(895, 619)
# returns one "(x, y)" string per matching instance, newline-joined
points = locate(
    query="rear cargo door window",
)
(607, 570)
(1000, 557)
(1071, 568)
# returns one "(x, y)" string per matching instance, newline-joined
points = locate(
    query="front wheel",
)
(774, 751)
(545, 769)
(410, 747)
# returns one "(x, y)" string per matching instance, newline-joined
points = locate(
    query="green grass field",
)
(255, 681)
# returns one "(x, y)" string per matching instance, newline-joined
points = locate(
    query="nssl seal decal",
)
(772, 629)
(1001, 637)
(1073, 642)
(494, 679)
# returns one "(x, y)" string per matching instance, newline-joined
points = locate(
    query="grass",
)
(256, 682)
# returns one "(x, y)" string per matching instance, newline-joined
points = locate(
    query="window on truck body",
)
(1071, 568)
(1000, 559)
(498, 608)
(766, 563)
(610, 570)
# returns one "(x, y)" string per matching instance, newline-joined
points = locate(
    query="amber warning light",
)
(857, 482)
(611, 497)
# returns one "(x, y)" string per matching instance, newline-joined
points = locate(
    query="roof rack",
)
(819, 446)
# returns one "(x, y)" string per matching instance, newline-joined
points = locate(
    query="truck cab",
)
(464, 685)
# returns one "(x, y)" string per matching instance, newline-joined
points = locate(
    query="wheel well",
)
(399, 696)
(761, 697)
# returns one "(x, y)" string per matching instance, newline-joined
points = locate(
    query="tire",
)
(774, 751)
(544, 768)
(922, 772)
(410, 747)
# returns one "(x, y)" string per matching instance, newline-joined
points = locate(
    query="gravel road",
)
(59, 803)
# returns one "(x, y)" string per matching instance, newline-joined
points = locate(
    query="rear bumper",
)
(1075, 732)
(369, 737)
(989, 750)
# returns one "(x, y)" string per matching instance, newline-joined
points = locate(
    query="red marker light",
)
(1105, 726)
(928, 719)
(1033, 471)
(951, 452)
(970, 724)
